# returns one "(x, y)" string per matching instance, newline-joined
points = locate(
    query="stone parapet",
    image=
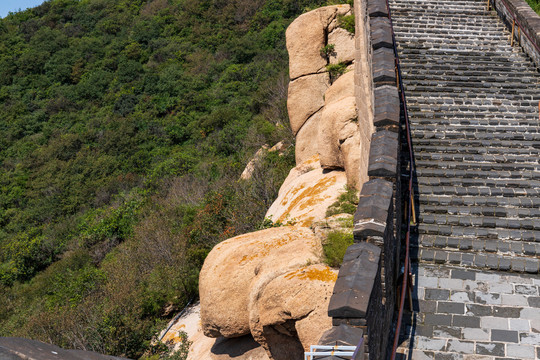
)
(527, 30)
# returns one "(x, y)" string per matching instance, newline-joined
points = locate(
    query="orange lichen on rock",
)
(305, 273)
(265, 248)
(308, 197)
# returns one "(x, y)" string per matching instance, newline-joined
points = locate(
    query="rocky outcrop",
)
(259, 284)
(339, 138)
(307, 35)
(237, 268)
(343, 42)
(305, 196)
(306, 97)
(323, 115)
(291, 310)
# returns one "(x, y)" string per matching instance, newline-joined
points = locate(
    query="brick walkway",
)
(472, 100)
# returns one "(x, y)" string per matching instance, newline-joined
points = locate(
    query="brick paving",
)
(473, 105)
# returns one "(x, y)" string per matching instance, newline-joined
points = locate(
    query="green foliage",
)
(535, 5)
(125, 127)
(346, 22)
(335, 247)
(327, 50)
(345, 204)
(336, 70)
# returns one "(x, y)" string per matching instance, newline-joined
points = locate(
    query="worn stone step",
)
(501, 233)
(433, 207)
(461, 165)
(522, 205)
(468, 225)
(521, 152)
(519, 264)
(482, 182)
(472, 244)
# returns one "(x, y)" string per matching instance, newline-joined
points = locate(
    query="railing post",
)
(512, 36)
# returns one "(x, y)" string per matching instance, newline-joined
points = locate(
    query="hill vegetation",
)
(124, 128)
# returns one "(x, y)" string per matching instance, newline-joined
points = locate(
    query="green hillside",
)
(124, 127)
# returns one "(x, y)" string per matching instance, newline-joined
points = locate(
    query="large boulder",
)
(305, 198)
(239, 267)
(290, 313)
(240, 348)
(343, 42)
(305, 98)
(307, 35)
(306, 140)
(339, 139)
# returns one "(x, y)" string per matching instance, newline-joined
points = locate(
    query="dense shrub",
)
(125, 127)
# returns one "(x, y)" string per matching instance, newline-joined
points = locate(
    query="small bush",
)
(336, 70)
(346, 22)
(335, 247)
(327, 50)
(345, 204)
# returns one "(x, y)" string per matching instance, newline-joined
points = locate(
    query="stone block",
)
(384, 67)
(355, 281)
(341, 335)
(383, 155)
(386, 109)
(377, 8)
(381, 33)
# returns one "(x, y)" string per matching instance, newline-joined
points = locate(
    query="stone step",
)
(506, 247)
(469, 225)
(456, 156)
(429, 205)
(524, 205)
(499, 262)
(465, 143)
(435, 149)
(483, 232)
(458, 189)
(475, 182)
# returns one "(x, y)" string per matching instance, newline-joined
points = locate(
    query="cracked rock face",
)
(260, 284)
(307, 34)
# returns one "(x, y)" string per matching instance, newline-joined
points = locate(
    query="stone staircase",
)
(472, 101)
(473, 106)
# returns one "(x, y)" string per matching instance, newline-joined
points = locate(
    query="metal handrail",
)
(516, 21)
(406, 284)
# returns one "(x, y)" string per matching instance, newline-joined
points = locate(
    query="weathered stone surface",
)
(338, 123)
(307, 35)
(306, 97)
(342, 335)
(355, 282)
(343, 46)
(342, 88)
(381, 33)
(377, 8)
(239, 267)
(372, 212)
(307, 145)
(290, 311)
(250, 167)
(305, 198)
(18, 348)
(239, 348)
(383, 155)
(384, 66)
(386, 106)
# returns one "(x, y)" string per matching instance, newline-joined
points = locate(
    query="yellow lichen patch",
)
(266, 247)
(172, 335)
(307, 221)
(310, 196)
(306, 273)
